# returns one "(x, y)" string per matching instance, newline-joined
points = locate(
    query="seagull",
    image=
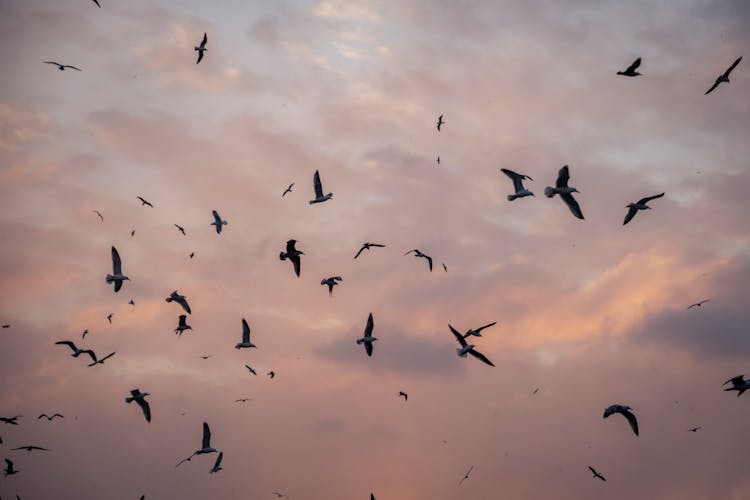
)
(97, 3)
(639, 205)
(535, 391)
(29, 448)
(49, 418)
(477, 332)
(468, 348)
(97, 212)
(593, 471)
(565, 192)
(218, 222)
(206, 357)
(205, 445)
(62, 67)
(76, 351)
(182, 326)
(280, 495)
(287, 190)
(517, 179)
(272, 374)
(85, 332)
(367, 246)
(10, 420)
(109, 317)
(243, 400)
(6, 326)
(625, 412)
(116, 277)
(245, 337)
(438, 160)
(180, 229)
(723, 78)
(739, 384)
(202, 48)
(698, 304)
(445, 268)
(418, 253)
(250, 369)
(695, 429)
(405, 396)
(145, 202)
(132, 233)
(217, 464)
(466, 476)
(131, 302)
(440, 122)
(180, 299)
(192, 254)
(140, 398)
(631, 71)
(368, 339)
(9, 470)
(331, 282)
(319, 196)
(293, 255)
(101, 361)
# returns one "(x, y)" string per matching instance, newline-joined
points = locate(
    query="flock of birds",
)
(291, 253)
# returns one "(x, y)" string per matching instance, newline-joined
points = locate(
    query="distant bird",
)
(404, 395)
(639, 205)
(182, 325)
(218, 222)
(517, 179)
(698, 304)
(180, 229)
(445, 268)
(272, 374)
(331, 282)
(131, 302)
(6, 326)
(205, 445)
(368, 339)
(418, 253)
(102, 360)
(29, 448)
(251, 370)
(367, 246)
(192, 254)
(631, 71)
(97, 212)
(535, 391)
(145, 202)
(10, 420)
(293, 255)
(468, 348)
(132, 233)
(466, 476)
(245, 337)
(97, 3)
(109, 317)
(180, 299)
(206, 357)
(287, 190)
(202, 48)
(695, 429)
(9, 470)
(477, 332)
(438, 160)
(723, 78)
(140, 398)
(440, 122)
(243, 400)
(565, 192)
(217, 464)
(49, 418)
(625, 412)
(739, 384)
(279, 495)
(116, 277)
(76, 351)
(597, 475)
(318, 186)
(62, 67)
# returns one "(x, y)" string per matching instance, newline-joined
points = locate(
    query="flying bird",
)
(440, 122)
(517, 179)
(29, 448)
(477, 332)
(331, 282)
(109, 317)
(418, 253)
(281, 495)
(180, 299)
(182, 325)
(144, 202)
(535, 391)
(565, 192)
(10, 420)
(319, 196)
(739, 384)
(102, 360)
(272, 374)
(243, 400)
(9, 470)
(698, 304)
(218, 222)
(466, 476)
(245, 337)
(116, 277)
(468, 348)
(404, 395)
(445, 268)
(49, 418)
(202, 48)
(367, 246)
(597, 475)
(131, 302)
(206, 357)
(205, 445)
(695, 429)
(217, 464)
(62, 67)
(6, 326)
(625, 412)
(192, 254)
(438, 160)
(250, 369)
(97, 212)
(293, 255)
(368, 339)
(287, 190)
(132, 233)
(639, 205)
(97, 3)
(180, 229)
(631, 71)
(76, 351)
(723, 78)
(140, 398)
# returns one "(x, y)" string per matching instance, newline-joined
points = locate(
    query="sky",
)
(590, 312)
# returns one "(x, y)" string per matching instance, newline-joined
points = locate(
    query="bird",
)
(535, 391)
(140, 398)
(102, 360)
(10, 420)
(404, 395)
(6, 325)
(9, 470)
(367, 246)
(48, 417)
(287, 190)
(145, 202)
(245, 337)
(468, 348)
(180, 299)
(182, 325)
(97, 3)
(368, 339)
(205, 445)
(76, 350)
(206, 357)
(639, 205)
(724, 78)
(192, 254)
(477, 332)
(116, 277)
(243, 400)
(438, 160)
(29, 448)
(597, 475)
(202, 48)
(466, 476)
(565, 192)
(517, 179)
(62, 67)
(318, 186)
(440, 122)
(97, 212)
(631, 71)
(279, 495)
(445, 268)
(218, 222)
(109, 317)
(698, 304)
(418, 253)
(131, 302)
(132, 233)
(695, 429)
(625, 412)
(272, 374)
(251, 370)
(180, 229)
(85, 332)
(293, 255)
(739, 384)
(331, 282)
(217, 464)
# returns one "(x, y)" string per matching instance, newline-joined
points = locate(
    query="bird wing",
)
(735, 380)
(631, 420)
(106, 357)
(52, 62)
(217, 219)
(97, 3)
(182, 320)
(429, 261)
(368, 348)
(360, 251)
(10, 463)
(205, 40)
(481, 357)
(516, 178)
(410, 251)
(183, 302)
(245, 331)
(486, 326)
(592, 470)
(317, 185)
(649, 198)
(67, 343)
(116, 262)
(734, 65)
(297, 263)
(634, 66)
(200, 56)
(43, 415)
(458, 336)
(145, 407)
(562, 177)
(631, 213)
(72, 67)
(369, 327)
(206, 441)
(573, 205)
(91, 354)
(218, 460)
(57, 415)
(716, 84)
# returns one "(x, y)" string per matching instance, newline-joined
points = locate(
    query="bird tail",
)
(512, 197)
(283, 256)
(110, 278)
(129, 400)
(462, 354)
(359, 341)
(549, 192)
